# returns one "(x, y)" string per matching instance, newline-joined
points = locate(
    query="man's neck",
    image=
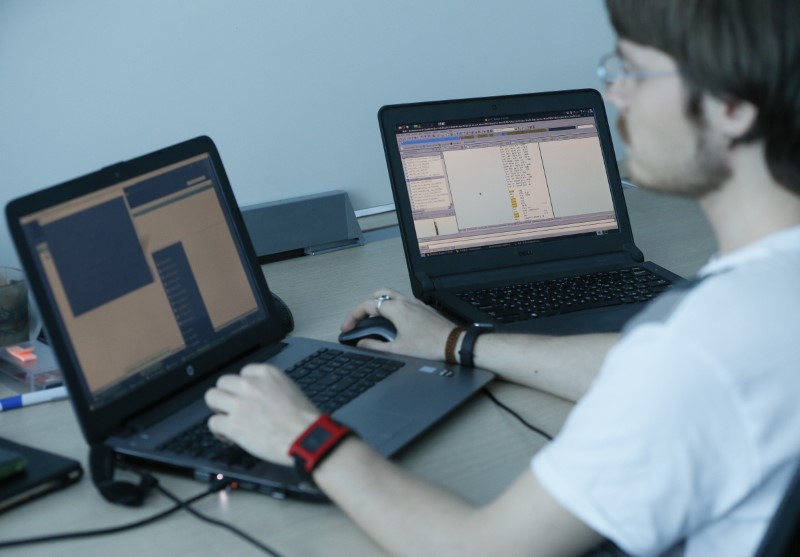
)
(750, 205)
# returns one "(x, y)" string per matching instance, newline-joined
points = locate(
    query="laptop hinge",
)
(422, 285)
(634, 252)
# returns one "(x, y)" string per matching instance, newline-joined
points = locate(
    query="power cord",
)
(179, 504)
(493, 398)
(246, 537)
(111, 530)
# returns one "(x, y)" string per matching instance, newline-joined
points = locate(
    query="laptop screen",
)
(144, 274)
(482, 183)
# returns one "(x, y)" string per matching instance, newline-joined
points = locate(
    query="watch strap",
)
(466, 353)
(316, 443)
(450, 345)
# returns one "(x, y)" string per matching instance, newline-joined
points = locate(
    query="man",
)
(688, 433)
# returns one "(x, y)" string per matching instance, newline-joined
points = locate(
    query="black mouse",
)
(376, 327)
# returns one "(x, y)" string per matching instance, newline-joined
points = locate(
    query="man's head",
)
(734, 51)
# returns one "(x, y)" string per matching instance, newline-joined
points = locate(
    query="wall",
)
(289, 90)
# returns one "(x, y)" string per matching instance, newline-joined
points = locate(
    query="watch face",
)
(314, 441)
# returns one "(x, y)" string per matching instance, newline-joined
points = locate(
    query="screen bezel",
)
(99, 423)
(391, 116)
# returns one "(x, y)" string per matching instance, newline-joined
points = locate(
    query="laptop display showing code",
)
(482, 182)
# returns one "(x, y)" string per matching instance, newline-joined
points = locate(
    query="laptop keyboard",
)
(330, 378)
(522, 302)
(199, 442)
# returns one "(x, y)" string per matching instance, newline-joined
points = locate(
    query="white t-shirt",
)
(691, 431)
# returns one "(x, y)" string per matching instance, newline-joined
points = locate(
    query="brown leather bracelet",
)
(450, 345)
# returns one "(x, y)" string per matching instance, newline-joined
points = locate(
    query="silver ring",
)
(379, 300)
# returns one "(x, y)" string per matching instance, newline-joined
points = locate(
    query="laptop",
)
(511, 212)
(149, 290)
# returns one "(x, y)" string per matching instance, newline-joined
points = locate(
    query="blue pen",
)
(37, 397)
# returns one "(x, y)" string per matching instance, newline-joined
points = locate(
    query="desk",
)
(476, 452)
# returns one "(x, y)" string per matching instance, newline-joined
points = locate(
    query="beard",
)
(695, 174)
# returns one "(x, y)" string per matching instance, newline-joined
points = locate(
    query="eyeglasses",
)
(611, 69)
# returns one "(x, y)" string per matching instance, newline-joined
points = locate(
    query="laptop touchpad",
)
(378, 428)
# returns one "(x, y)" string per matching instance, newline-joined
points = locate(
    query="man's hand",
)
(421, 331)
(261, 410)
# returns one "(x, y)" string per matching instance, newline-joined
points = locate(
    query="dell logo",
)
(190, 370)
(523, 253)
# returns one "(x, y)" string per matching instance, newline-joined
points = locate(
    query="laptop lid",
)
(114, 259)
(149, 289)
(488, 186)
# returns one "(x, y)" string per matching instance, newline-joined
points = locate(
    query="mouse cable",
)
(493, 398)
(112, 529)
(245, 536)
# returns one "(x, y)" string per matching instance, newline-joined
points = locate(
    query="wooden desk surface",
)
(476, 452)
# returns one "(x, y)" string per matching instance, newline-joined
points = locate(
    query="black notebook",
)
(44, 472)
(511, 212)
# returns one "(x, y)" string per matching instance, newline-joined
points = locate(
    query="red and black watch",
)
(316, 443)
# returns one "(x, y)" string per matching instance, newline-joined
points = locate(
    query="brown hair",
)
(741, 49)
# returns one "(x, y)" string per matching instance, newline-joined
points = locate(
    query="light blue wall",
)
(289, 90)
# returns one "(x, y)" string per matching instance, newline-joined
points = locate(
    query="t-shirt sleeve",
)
(654, 448)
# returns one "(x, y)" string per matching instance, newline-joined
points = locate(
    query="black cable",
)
(491, 396)
(110, 530)
(185, 505)
(229, 527)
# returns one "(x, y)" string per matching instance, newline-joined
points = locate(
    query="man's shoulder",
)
(763, 270)
(761, 293)
(732, 328)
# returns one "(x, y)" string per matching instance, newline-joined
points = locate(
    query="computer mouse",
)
(376, 327)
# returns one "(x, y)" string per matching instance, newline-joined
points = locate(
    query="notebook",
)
(500, 191)
(149, 290)
(43, 473)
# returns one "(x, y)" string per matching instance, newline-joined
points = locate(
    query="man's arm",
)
(564, 366)
(408, 516)
(263, 411)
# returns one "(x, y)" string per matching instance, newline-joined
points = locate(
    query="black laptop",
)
(149, 290)
(511, 212)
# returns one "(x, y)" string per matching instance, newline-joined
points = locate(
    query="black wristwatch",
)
(468, 344)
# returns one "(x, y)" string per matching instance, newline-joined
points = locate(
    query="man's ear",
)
(732, 118)
(738, 118)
